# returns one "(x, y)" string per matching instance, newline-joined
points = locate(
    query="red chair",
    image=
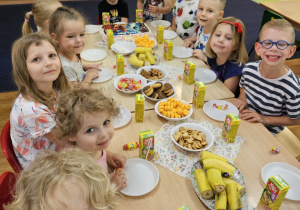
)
(8, 150)
(7, 185)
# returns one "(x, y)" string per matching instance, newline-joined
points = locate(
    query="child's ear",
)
(73, 138)
(47, 23)
(291, 51)
(221, 15)
(54, 37)
(257, 47)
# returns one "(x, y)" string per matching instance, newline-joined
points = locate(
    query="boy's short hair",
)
(222, 4)
(279, 24)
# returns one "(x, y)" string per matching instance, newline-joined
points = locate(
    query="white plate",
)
(168, 34)
(123, 47)
(142, 177)
(136, 77)
(163, 23)
(155, 43)
(104, 75)
(148, 68)
(91, 29)
(123, 118)
(204, 75)
(210, 138)
(93, 55)
(173, 119)
(218, 114)
(182, 52)
(289, 173)
(152, 83)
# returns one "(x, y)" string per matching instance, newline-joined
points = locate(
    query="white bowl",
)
(210, 138)
(137, 67)
(148, 68)
(173, 119)
(155, 43)
(123, 47)
(152, 99)
(136, 77)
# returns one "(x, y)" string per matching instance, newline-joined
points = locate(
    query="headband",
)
(27, 20)
(237, 25)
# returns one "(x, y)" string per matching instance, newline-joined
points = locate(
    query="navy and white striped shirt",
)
(271, 97)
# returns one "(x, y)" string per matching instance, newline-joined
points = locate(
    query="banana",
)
(241, 189)
(215, 179)
(221, 201)
(208, 155)
(219, 164)
(135, 61)
(150, 58)
(142, 57)
(138, 50)
(203, 185)
(233, 197)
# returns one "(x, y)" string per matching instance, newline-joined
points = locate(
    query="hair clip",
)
(237, 25)
(30, 12)
(26, 20)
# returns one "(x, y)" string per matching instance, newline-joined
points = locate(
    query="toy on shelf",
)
(131, 146)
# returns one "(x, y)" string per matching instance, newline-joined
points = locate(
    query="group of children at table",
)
(55, 109)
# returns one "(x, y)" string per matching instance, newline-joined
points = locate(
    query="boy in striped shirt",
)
(269, 90)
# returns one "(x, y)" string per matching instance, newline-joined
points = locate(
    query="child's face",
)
(274, 57)
(72, 40)
(209, 12)
(95, 133)
(222, 40)
(43, 64)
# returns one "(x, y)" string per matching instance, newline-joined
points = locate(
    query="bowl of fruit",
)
(143, 56)
(130, 83)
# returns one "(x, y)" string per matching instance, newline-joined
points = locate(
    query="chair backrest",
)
(7, 184)
(269, 15)
(8, 150)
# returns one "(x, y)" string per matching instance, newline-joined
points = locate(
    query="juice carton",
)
(199, 94)
(274, 193)
(139, 108)
(146, 141)
(189, 72)
(230, 127)
(184, 207)
(139, 16)
(110, 38)
(168, 50)
(160, 34)
(105, 18)
(120, 64)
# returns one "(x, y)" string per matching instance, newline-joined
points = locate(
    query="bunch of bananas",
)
(143, 56)
(226, 189)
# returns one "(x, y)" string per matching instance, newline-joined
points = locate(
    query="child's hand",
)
(240, 104)
(199, 54)
(116, 160)
(92, 66)
(91, 74)
(119, 179)
(252, 116)
(188, 44)
(153, 9)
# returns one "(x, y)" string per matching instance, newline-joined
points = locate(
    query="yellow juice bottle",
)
(105, 18)
(168, 50)
(139, 16)
(160, 34)
(139, 108)
(199, 94)
(110, 38)
(120, 64)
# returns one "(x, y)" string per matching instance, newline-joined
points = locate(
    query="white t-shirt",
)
(202, 39)
(73, 70)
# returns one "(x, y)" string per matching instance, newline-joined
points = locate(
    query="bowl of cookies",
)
(173, 109)
(192, 137)
(156, 91)
(152, 73)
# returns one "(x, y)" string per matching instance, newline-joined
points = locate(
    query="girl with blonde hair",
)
(38, 74)
(41, 12)
(69, 179)
(226, 52)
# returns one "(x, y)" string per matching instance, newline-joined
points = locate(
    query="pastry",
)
(157, 85)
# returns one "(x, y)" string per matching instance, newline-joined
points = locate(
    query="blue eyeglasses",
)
(281, 44)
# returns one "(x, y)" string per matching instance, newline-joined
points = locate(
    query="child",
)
(270, 91)
(154, 9)
(37, 72)
(67, 29)
(118, 10)
(226, 52)
(41, 11)
(208, 14)
(184, 21)
(84, 120)
(70, 179)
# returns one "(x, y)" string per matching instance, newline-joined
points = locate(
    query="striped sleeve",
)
(70, 73)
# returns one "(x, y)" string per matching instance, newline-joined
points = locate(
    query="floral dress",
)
(29, 122)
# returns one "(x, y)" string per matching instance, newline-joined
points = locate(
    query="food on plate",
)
(143, 57)
(173, 108)
(150, 58)
(158, 90)
(191, 139)
(215, 180)
(133, 59)
(143, 50)
(219, 164)
(203, 185)
(221, 200)
(129, 84)
(233, 197)
(241, 189)
(153, 74)
(208, 155)
(143, 41)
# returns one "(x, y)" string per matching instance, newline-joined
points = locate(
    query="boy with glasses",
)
(269, 90)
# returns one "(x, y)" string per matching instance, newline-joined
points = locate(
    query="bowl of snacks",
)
(138, 60)
(156, 91)
(144, 41)
(130, 83)
(123, 47)
(152, 73)
(192, 137)
(173, 109)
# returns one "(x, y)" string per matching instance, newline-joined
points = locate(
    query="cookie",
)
(157, 85)
(146, 89)
(170, 93)
(154, 95)
(167, 86)
(161, 95)
(149, 92)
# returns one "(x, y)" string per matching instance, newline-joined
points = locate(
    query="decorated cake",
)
(125, 31)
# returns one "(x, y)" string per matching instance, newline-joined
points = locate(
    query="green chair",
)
(267, 16)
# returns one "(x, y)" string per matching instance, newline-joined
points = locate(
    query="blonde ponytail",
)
(26, 28)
